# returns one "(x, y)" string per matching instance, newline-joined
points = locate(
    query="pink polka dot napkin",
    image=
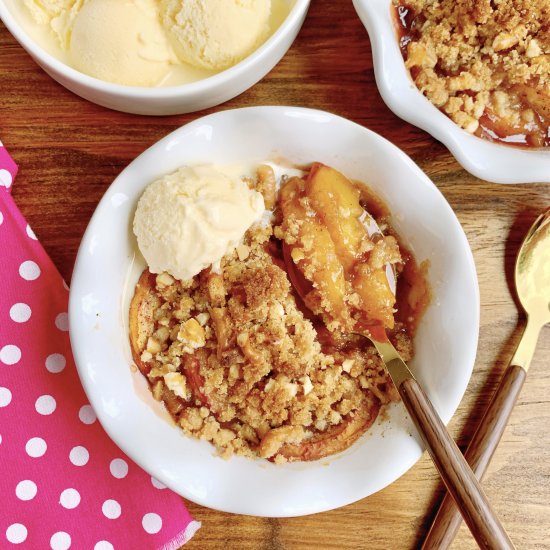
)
(63, 483)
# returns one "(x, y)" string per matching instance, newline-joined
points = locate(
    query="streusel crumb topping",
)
(476, 58)
(265, 380)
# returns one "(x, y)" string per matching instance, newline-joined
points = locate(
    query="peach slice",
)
(377, 299)
(336, 201)
(314, 252)
(142, 307)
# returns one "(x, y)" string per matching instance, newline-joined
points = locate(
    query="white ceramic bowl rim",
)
(139, 92)
(186, 465)
(490, 161)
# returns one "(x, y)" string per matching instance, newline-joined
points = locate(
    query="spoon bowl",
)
(532, 273)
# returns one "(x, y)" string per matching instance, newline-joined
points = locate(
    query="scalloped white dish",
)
(109, 264)
(486, 160)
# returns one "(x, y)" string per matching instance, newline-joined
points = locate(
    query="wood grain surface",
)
(69, 151)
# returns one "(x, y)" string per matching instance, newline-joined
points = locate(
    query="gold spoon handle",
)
(454, 470)
(486, 438)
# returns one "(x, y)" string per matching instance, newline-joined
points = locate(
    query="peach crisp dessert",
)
(242, 361)
(484, 63)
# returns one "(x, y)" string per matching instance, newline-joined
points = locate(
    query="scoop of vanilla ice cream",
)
(45, 10)
(215, 34)
(58, 14)
(188, 220)
(121, 41)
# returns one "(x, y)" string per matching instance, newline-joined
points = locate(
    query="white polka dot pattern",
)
(118, 468)
(152, 523)
(10, 354)
(87, 414)
(111, 509)
(63, 464)
(6, 178)
(20, 313)
(60, 541)
(157, 484)
(79, 456)
(36, 447)
(55, 363)
(16, 533)
(69, 498)
(26, 490)
(45, 405)
(5, 397)
(62, 322)
(29, 270)
(30, 233)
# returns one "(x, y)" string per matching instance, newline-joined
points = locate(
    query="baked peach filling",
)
(240, 361)
(324, 228)
(485, 64)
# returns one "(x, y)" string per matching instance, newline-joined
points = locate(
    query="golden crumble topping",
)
(240, 361)
(485, 63)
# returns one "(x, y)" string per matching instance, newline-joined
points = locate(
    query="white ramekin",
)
(489, 161)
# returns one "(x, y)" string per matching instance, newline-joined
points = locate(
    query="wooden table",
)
(69, 151)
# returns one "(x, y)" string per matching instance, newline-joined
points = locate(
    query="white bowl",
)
(109, 264)
(171, 100)
(484, 159)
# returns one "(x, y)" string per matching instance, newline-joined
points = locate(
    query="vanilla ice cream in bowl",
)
(155, 57)
(188, 220)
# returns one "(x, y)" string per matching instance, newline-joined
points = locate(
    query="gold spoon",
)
(458, 477)
(453, 468)
(532, 280)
